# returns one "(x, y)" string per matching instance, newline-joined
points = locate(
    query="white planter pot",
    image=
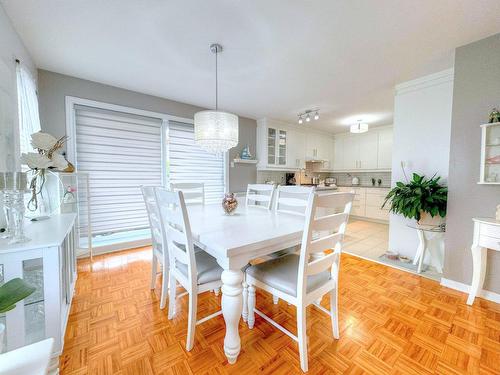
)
(426, 219)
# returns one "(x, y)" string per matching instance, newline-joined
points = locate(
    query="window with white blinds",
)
(121, 152)
(187, 162)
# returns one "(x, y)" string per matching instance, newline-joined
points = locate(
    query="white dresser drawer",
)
(489, 242)
(490, 231)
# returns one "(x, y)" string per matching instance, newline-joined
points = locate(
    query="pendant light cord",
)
(216, 83)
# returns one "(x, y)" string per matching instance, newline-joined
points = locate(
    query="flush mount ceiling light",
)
(360, 127)
(216, 131)
(307, 115)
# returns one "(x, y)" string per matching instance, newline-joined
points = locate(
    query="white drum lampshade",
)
(215, 131)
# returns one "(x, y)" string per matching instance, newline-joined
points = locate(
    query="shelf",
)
(245, 161)
(493, 145)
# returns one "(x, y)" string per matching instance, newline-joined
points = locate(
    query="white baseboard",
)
(486, 294)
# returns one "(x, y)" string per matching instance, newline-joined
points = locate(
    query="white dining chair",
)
(197, 272)
(194, 192)
(159, 243)
(31, 359)
(292, 199)
(302, 279)
(260, 195)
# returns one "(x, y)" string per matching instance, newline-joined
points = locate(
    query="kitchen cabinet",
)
(368, 202)
(384, 157)
(48, 262)
(286, 147)
(364, 152)
(338, 154)
(296, 158)
(368, 150)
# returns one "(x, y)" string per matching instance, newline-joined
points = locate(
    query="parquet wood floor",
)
(391, 322)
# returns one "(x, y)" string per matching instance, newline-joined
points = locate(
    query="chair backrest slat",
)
(260, 195)
(157, 236)
(292, 199)
(194, 192)
(175, 221)
(315, 241)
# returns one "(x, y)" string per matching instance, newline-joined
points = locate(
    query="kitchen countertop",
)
(365, 186)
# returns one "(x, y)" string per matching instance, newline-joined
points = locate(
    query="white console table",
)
(486, 236)
(48, 262)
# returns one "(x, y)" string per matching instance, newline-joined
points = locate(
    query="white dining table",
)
(234, 240)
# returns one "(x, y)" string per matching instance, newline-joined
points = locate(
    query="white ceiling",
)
(281, 57)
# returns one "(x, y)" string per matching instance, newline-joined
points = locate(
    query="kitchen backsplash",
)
(276, 176)
(343, 179)
(365, 178)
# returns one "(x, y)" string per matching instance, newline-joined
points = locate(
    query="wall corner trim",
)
(486, 294)
(426, 81)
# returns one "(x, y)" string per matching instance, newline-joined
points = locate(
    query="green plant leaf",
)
(12, 292)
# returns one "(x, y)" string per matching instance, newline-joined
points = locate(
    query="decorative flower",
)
(36, 161)
(43, 141)
(59, 162)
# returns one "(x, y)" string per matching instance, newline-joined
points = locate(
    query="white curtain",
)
(29, 118)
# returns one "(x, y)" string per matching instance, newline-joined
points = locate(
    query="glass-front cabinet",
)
(490, 154)
(276, 146)
(47, 262)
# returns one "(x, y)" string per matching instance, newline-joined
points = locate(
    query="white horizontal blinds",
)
(187, 162)
(121, 152)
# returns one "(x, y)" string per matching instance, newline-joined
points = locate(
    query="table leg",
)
(420, 250)
(478, 272)
(232, 305)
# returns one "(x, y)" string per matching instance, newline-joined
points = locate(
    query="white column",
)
(232, 305)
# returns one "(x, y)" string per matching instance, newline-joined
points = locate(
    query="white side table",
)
(486, 236)
(422, 248)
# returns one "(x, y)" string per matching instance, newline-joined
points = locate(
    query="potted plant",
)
(418, 198)
(11, 293)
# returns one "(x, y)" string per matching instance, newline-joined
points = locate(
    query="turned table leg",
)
(478, 271)
(232, 305)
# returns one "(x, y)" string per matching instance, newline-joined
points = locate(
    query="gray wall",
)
(476, 92)
(53, 88)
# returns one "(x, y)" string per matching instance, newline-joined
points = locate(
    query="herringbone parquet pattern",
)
(391, 322)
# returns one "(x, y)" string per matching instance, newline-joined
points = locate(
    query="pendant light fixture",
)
(216, 131)
(360, 127)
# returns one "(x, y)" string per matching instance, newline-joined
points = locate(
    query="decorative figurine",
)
(494, 116)
(229, 203)
(245, 153)
(379, 182)
(373, 181)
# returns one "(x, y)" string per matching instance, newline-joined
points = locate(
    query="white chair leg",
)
(171, 297)
(216, 291)
(244, 312)
(164, 287)
(193, 300)
(275, 300)
(302, 336)
(154, 267)
(334, 311)
(251, 306)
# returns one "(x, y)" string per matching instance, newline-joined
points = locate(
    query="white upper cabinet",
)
(384, 160)
(367, 151)
(338, 154)
(351, 153)
(296, 150)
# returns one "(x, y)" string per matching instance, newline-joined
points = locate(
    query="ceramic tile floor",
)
(369, 240)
